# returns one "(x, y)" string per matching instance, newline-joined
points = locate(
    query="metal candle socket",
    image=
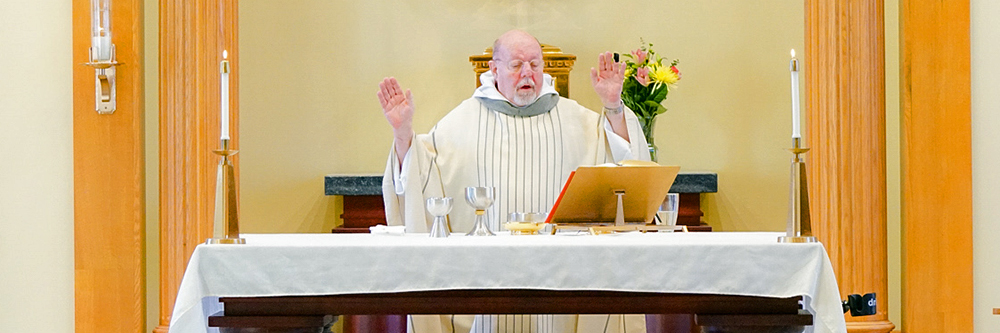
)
(480, 198)
(227, 213)
(799, 226)
(439, 207)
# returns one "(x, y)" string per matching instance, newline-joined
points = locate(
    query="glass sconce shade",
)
(100, 30)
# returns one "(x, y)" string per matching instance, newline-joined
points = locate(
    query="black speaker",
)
(861, 305)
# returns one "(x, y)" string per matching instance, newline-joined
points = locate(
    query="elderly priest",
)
(515, 134)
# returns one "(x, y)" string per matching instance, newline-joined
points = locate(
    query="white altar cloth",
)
(733, 263)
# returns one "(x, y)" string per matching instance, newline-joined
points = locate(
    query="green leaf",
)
(660, 94)
(641, 110)
(651, 105)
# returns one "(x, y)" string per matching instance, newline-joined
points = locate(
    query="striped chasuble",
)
(527, 159)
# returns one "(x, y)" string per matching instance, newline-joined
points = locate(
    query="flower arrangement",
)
(647, 82)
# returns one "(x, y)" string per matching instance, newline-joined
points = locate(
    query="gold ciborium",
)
(525, 223)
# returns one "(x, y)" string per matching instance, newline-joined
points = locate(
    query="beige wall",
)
(151, 48)
(36, 172)
(892, 156)
(985, 32)
(310, 70)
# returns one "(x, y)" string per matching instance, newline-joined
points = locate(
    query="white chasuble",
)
(527, 159)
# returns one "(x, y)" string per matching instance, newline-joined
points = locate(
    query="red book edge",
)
(559, 199)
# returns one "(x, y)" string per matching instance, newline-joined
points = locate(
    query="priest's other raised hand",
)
(398, 110)
(608, 78)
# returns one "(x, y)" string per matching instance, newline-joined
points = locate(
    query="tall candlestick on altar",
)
(224, 68)
(793, 67)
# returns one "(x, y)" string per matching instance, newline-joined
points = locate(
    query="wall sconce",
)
(102, 55)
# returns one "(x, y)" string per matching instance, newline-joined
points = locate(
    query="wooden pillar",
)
(936, 147)
(845, 97)
(109, 179)
(192, 36)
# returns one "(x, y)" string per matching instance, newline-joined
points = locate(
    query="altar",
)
(660, 272)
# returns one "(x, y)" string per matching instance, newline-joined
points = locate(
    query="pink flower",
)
(640, 56)
(676, 71)
(642, 75)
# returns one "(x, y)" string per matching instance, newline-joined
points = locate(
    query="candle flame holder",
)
(105, 88)
(226, 222)
(799, 228)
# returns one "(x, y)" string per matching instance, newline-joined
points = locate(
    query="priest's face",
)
(517, 67)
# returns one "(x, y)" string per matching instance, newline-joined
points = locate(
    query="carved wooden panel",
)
(845, 97)
(193, 35)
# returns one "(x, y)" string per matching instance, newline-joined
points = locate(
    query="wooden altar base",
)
(710, 313)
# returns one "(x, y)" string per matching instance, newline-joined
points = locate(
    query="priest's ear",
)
(493, 67)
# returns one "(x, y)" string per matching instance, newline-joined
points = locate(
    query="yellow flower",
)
(664, 75)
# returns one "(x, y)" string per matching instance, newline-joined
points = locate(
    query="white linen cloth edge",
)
(203, 279)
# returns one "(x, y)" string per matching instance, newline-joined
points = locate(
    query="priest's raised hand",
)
(398, 110)
(608, 79)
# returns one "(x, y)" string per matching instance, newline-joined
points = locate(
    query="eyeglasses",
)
(517, 65)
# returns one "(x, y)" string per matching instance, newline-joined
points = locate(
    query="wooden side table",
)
(363, 206)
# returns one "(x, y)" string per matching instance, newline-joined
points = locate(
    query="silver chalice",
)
(480, 198)
(439, 207)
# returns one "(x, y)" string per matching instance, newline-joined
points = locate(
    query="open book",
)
(589, 193)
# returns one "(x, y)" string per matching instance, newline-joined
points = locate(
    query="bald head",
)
(517, 67)
(514, 40)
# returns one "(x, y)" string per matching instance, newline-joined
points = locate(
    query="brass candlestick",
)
(227, 213)
(799, 227)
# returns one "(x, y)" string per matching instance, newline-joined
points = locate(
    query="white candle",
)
(102, 47)
(100, 31)
(225, 96)
(793, 66)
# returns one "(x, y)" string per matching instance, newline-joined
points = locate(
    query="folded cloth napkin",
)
(387, 230)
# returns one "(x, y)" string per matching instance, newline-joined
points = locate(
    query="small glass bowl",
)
(524, 228)
(525, 223)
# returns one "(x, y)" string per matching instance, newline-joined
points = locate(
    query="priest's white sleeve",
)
(399, 171)
(405, 187)
(633, 149)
